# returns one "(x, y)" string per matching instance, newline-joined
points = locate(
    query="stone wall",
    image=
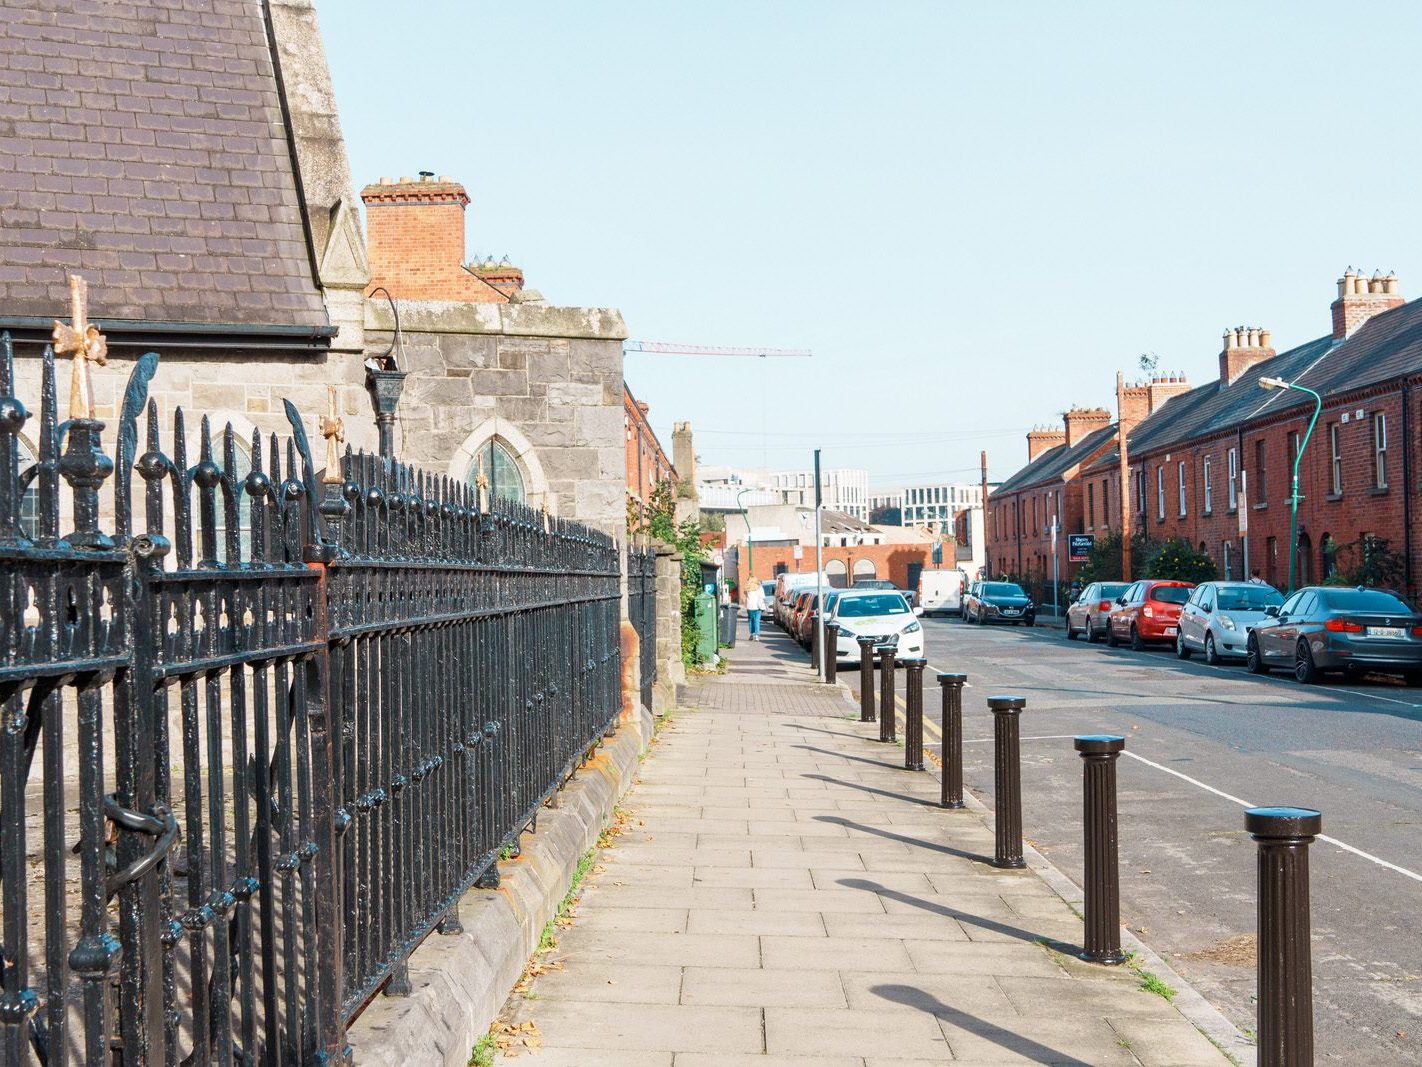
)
(546, 381)
(671, 672)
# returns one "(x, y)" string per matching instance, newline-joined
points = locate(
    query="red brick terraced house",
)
(1213, 464)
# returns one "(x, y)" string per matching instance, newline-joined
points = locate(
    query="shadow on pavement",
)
(952, 913)
(1035, 1051)
(870, 789)
(889, 835)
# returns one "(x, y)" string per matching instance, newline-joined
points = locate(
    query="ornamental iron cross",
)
(87, 345)
(481, 482)
(333, 429)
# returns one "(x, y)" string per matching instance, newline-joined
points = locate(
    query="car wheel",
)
(1111, 636)
(1092, 637)
(1030, 622)
(1137, 645)
(1413, 679)
(1212, 655)
(1253, 661)
(1304, 669)
(1182, 650)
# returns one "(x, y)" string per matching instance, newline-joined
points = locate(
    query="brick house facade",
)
(648, 464)
(1212, 465)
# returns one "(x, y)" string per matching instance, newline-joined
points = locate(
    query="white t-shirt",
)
(755, 599)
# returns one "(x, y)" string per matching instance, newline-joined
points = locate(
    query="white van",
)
(941, 592)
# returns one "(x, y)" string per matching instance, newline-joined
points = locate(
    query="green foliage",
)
(659, 520)
(1368, 561)
(1180, 561)
(484, 1051)
(1104, 562)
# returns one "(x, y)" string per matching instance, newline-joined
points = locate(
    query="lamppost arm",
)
(1279, 383)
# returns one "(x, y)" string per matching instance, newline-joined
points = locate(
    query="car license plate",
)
(1010, 611)
(1386, 631)
(1170, 631)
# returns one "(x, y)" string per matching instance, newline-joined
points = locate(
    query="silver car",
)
(1218, 617)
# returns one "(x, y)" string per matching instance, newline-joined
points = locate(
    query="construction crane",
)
(668, 349)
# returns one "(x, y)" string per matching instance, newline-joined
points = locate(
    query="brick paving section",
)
(787, 894)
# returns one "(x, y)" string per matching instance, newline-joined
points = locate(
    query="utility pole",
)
(987, 568)
(819, 634)
(1122, 431)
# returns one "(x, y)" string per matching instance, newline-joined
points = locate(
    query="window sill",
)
(1379, 490)
(1333, 498)
(1208, 512)
(1258, 507)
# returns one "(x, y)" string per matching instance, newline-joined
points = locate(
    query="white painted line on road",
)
(1039, 737)
(1247, 804)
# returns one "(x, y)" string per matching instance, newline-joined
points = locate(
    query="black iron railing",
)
(258, 736)
(642, 610)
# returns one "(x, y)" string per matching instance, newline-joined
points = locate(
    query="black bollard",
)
(1007, 779)
(866, 678)
(952, 685)
(1285, 957)
(913, 714)
(831, 652)
(1099, 753)
(888, 714)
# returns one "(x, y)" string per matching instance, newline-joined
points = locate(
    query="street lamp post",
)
(1279, 383)
(750, 548)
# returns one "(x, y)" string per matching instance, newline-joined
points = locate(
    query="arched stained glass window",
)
(502, 470)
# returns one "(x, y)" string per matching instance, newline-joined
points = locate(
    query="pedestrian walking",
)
(755, 604)
(1254, 578)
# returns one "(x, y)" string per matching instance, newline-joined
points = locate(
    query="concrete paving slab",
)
(638, 920)
(820, 1031)
(762, 987)
(679, 950)
(610, 981)
(835, 953)
(649, 1027)
(781, 923)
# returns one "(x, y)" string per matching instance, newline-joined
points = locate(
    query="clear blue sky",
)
(973, 214)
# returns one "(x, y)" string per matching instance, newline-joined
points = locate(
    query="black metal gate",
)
(642, 610)
(287, 723)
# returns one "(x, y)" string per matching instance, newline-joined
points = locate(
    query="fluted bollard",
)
(1007, 779)
(887, 712)
(866, 678)
(913, 714)
(831, 652)
(952, 686)
(1285, 956)
(1099, 753)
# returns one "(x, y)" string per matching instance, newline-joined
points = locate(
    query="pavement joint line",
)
(1248, 804)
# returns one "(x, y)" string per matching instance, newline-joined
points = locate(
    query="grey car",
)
(1088, 612)
(1219, 616)
(1327, 628)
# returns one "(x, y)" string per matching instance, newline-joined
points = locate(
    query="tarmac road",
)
(1203, 743)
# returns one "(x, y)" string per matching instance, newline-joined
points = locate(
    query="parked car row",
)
(1316, 631)
(881, 613)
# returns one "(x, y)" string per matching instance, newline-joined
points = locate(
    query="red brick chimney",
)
(1141, 399)
(1243, 347)
(1360, 298)
(1082, 422)
(1039, 441)
(415, 241)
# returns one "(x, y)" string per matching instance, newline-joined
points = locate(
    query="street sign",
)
(1079, 547)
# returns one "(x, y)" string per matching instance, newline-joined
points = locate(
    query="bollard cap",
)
(913, 663)
(948, 678)
(1007, 703)
(881, 649)
(1095, 744)
(866, 640)
(1283, 822)
(831, 625)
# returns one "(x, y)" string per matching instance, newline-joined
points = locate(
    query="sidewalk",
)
(786, 894)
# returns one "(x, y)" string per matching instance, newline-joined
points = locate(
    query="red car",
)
(1147, 613)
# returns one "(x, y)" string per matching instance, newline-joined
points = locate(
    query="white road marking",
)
(1038, 737)
(1248, 804)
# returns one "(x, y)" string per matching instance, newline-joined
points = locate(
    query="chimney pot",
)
(1253, 337)
(405, 179)
(1264, 339)
(1360, 298)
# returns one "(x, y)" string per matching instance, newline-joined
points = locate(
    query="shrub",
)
(1180, 561)
(1368, 561)
(659, 520)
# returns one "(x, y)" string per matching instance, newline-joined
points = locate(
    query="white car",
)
(882, 615)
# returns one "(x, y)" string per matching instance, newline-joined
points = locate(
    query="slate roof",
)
(1051, 464)
(1387, 346)
(142, 144)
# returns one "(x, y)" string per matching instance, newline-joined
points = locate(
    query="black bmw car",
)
(1002, 602)
(1329, 628)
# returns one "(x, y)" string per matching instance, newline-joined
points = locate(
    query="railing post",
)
(887, 712)
(952, 686)
(866, 678)
(832, 652)
(1007, 779)
(1099, 753)
(913, 714)
(1285, 956)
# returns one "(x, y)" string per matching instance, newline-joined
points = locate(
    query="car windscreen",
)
(1247, 597)
(1111, 590)
(1170, 594)
(1003, 589)
(768, 588)
(852, 607)
(1363, 600)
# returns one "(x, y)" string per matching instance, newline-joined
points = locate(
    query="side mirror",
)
(1272, 611)
(917, 610)
(1121, 600)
